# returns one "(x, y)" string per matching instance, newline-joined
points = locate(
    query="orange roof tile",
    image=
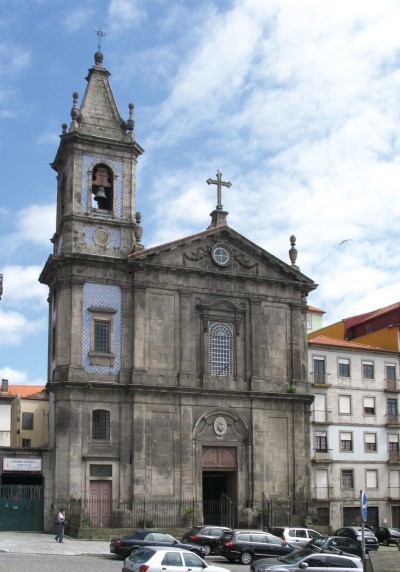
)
(28, 391)
(327, 341)
(315, 310)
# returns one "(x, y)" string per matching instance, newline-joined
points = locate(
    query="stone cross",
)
(219, 184)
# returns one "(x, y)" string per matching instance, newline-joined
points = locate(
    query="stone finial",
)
(64, 128)
(98, 59)
(138, 232)
(293, 252)
(75, 110)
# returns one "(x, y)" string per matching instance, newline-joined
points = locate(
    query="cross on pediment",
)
(219, 184)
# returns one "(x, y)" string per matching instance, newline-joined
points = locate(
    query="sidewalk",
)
(40, 543)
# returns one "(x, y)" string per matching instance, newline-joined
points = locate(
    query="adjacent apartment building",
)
(355, 424)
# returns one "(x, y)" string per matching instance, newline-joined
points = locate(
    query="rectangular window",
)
(393, 447)
(101, 425)
(344, 367)
(347, 479)
(309, 322)
(344, 404)
(221, 348)
(102, 336)
(26, 443)
(368, 369)
(370, 442)
(369, 405)
(27, 421)
(346, 441)
(371, 479)
(392, 410)
(319, 370)
(321, 442)
(390, 371)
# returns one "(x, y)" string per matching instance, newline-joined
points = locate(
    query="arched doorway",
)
(219, 478)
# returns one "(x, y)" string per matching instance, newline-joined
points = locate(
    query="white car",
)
(164, 559)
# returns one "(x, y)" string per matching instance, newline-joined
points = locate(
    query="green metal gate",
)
(21, 507)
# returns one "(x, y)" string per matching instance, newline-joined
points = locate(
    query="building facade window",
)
(100, 425)
(347, 479)
(369, 405)
(344, 404)
(26, 443)
(371, 479)
(321, 442)
(101, 336)
(221, 348)
(370, 443)
(319, 374)
(393, 447)
(343, 367)
(392, 410)
(368, 370)
(27, 421)
(346, 441)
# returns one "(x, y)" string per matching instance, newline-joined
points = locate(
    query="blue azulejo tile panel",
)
(101, 296)
(98, 236)
(89, 162)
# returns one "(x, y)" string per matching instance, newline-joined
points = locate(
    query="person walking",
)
(60, 525)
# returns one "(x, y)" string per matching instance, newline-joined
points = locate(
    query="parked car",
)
(387, 535)
(339, 543)
(248, 545)
(137, 538)
(297, 536)
(305, 558)
(355, 532)
(161, 558)
(206, 536)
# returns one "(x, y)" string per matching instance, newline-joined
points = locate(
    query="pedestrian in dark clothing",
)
(60, 525)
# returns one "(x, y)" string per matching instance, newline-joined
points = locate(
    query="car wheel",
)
(385, 542)
(207, 549)
(246, 557)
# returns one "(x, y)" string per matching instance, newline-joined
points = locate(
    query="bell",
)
(100, 194)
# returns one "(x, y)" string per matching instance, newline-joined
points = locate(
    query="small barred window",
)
(221, 348)
(101, 470)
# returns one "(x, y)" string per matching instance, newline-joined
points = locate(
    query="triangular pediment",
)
(221, 251)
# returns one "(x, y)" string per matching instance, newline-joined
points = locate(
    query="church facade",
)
(175, 372)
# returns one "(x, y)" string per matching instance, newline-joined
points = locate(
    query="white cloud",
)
(21, 285)
(16, 377)
(125, 13)
(36, 223)
(13, 59)
(15, 327)
(77, 18)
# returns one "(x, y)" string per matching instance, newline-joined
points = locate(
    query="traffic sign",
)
(364, 505)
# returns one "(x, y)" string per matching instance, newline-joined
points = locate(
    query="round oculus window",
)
(221, 255)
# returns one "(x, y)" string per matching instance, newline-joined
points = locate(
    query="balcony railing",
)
(393, 419)
(392, 384)
(321, 416)
(322, 456)
(318, 378)
(394, 456)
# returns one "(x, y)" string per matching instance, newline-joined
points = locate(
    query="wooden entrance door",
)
(100, 503)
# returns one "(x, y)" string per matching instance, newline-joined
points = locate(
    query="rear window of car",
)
(141, 555)
(277, 531)
(227, 536)
(273, 539)
(340, 562)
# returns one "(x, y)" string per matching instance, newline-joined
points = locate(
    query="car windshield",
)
(393, 531)
(139, 534)
(295, 557)
(274, 539)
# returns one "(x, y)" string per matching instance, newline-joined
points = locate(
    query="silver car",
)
(162, 558)
(303, 559)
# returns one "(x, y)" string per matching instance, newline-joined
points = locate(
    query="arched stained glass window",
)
(221, 348)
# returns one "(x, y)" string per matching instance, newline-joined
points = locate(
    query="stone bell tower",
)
(96, 167)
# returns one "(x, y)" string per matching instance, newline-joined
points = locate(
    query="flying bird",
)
(345, 240)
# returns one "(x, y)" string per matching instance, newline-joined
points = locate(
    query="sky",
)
(296, 102)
